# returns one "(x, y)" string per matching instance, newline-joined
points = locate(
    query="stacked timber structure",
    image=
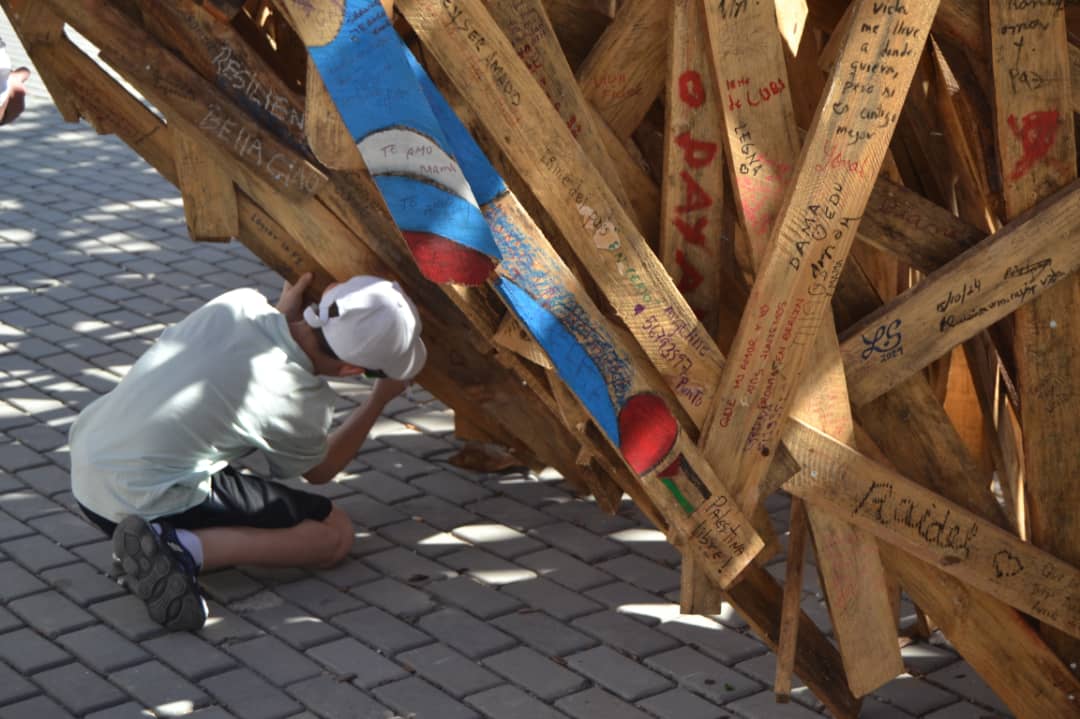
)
(694, 251)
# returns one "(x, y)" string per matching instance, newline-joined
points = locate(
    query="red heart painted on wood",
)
(442, 260)
(647, 431)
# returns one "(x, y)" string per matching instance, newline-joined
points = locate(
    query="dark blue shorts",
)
(241, 499)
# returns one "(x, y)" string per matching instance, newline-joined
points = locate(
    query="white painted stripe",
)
(400, 151)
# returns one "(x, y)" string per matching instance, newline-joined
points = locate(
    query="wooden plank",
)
(323, 127)
(624, 73)
(1009, 269)
(813, 234)
(927, 525)
(789, 614)
(38, 26)
(762, 142)
(1037, 151)
(529, 30)
(693, 188)
(579, 24)
(208, 194)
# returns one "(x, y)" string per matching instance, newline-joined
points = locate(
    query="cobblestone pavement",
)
(466, 595)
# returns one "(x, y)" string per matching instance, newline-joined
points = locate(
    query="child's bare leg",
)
(308, 544)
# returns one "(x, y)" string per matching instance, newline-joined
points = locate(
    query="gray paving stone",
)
(698, 673)
(249, 696)
(449, 670)
(8, 621)
(134, 710)
(472, 637)
(486, 566)
(451, 487)
(545, 595)
(37, 553)
(563, 569)
(396, 463)
(915, 696)
(223, 625)
(347, 574)
(414, 697)
(102, 648)
(128, 615)
(543, 633)
(155, 685)
(498, 539)
(350, 660)
(437, 512)
(29, 652)
(763, 669)
(382, 487)
(536, 673)
(642, 572)
(963, 710)
(318, 597)
(25, 504)
(596, 703)
(624, 598)
(681, 704)
(293, 625)
(17, 582)
(509, 702)
(408, 567)
(78, 688)
(275, 660)
(229, 585)
(586, 514)
(13, 685)
(395, 597)
(66, 528)
(380, 630)
(923, 658)
(329, 698)
(15, 456)
(581, 543)
(965, 681)
(51, 613)
(624, 677)
(713, 638)
(369, 513)
(649, 543)
(474, 597)
(366, 543)
(625, 634)
(82, 583)
(189, 654)
(763, 706)
(11, 528)
(422, 538)
(530, 490)
(873, 709)
(35, 708)
(511, 513)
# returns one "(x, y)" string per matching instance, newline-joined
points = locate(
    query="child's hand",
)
(291, 302)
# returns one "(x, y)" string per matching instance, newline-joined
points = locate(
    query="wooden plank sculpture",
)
(694, 252)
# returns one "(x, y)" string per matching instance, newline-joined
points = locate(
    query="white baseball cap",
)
(369, 322)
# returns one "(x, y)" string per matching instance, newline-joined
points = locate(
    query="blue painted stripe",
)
(481, 175)
(572, 363)
(423, 207)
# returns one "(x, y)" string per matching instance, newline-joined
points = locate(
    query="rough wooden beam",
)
(813, 234)
(1037, 153)
(1009, 269)
(208, 194)
(624, 72)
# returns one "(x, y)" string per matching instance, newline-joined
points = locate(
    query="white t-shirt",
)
(227, 379)
(5, 73)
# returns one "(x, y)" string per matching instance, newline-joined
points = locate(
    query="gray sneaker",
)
(161, 573)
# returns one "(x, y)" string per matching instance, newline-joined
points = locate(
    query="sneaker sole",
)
(156, 578)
